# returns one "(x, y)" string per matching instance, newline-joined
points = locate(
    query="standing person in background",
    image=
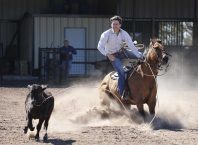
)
(66, 56)
(111, 44)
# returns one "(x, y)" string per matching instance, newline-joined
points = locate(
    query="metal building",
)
(26, 26)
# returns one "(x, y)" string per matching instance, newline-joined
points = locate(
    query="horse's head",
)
(156, 55)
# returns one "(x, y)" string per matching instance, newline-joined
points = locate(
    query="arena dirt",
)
(77, 118)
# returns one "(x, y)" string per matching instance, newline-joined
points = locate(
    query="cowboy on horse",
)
(111, 44)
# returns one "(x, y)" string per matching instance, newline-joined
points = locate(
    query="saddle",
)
(127, 70)
(129, 65)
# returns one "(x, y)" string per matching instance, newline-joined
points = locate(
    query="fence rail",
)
(84, 63)
(87, 61)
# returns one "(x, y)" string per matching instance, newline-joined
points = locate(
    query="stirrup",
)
(125, 96)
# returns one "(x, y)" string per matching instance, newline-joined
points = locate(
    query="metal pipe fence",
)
(89, 62)
(84, 64)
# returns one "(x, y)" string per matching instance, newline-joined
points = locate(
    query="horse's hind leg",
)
(105, 98)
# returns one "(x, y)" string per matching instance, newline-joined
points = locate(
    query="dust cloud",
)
(78, 106)
(177, 96)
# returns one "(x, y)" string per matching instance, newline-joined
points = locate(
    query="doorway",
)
(76, 37)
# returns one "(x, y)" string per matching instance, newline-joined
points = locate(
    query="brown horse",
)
(141, 83)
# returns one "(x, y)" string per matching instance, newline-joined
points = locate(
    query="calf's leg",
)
(47, 121)
(30, 125)
(38, 127)
(45, 127)
(26, 127)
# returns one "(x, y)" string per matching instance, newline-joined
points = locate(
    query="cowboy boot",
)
(125, 95)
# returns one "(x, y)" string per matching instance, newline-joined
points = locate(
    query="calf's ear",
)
(29, 87)
(44, 87)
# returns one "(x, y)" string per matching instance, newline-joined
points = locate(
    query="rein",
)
(157, 66)
(116, 97)
(154, 76)
(157, 99)
(135, 69)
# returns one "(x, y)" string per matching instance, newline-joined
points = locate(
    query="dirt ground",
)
(76, 119)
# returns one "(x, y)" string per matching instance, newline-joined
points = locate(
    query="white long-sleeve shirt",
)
(110, 42)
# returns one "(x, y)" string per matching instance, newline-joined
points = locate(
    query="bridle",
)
(157, 65)
(161, 56)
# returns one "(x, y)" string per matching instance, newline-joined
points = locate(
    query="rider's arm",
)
(102, 42)
(132, 46)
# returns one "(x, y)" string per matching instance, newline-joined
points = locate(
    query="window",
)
(176, 33)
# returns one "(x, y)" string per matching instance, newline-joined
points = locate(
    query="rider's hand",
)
(111, 57)
(142, 58)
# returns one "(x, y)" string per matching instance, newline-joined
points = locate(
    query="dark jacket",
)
(65, 53)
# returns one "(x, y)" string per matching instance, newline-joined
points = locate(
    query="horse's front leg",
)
(140, 107)
(151, 106)
(152, 102)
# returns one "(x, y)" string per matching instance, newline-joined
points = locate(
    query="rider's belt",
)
(115, 54)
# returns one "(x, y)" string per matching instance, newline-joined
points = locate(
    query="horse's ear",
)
(151, 42)
(159, 41)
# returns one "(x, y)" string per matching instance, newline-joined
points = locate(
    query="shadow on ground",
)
(161, 123)
(61, 142)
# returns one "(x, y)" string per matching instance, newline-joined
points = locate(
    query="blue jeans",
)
(66, 66)
(117, 64)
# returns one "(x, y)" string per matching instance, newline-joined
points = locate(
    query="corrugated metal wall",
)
(14, 9)
(7, 31)
(50, 30)
(157, 8)
(196, 10)
(26, 39)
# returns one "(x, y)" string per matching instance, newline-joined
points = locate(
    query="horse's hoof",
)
(32, 128)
